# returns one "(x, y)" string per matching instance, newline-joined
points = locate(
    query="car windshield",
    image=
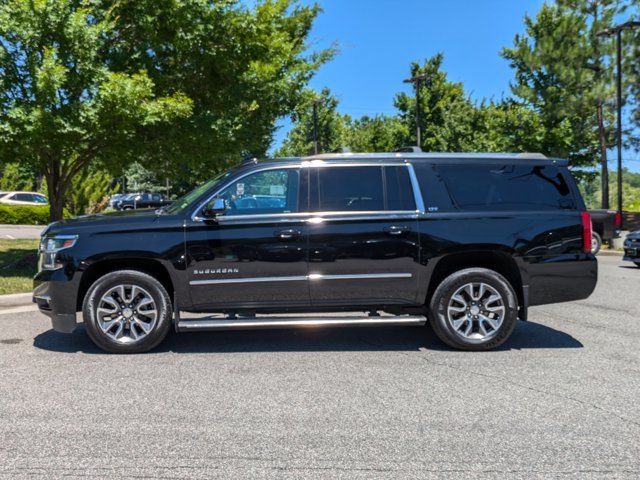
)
(183, 202)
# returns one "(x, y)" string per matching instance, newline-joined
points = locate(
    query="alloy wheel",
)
(476, 312)
(127, 313)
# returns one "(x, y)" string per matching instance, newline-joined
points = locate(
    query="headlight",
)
(51, 246)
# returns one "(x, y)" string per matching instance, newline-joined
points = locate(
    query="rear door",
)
(363, 242)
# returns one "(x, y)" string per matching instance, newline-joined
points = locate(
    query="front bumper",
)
(55, 293)
(632, 251)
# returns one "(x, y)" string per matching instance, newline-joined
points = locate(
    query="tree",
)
(562, 72)
(141, 179)
(332, 126)
(382, 133)
(447, 112)
(243, 68)
(16, 176)
(181, 86)
(90, 191)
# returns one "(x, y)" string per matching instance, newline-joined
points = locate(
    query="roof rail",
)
(409, 149)
(533, 155)
(342, 150)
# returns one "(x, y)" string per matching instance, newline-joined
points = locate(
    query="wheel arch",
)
(146, 265)
(499, 262)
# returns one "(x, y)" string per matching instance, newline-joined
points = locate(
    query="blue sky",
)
(378, 39)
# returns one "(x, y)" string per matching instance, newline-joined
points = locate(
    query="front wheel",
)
(127, 311)
(474, 309)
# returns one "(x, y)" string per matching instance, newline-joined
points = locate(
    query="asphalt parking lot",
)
(560, 400)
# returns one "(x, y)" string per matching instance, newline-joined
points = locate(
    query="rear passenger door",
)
(363, 242)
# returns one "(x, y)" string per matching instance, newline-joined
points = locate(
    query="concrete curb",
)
(610, 253)
(15, 300)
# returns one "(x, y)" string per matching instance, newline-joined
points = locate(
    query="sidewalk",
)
(16, 303)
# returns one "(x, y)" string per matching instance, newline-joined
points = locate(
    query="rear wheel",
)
(596, 243)
(474, 309)
(127, 311)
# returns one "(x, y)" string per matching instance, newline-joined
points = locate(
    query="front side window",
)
(266, 192)
(364, 188)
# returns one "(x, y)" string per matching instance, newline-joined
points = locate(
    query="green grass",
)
(17, 279)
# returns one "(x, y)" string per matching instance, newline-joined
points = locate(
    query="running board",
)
(294, 322)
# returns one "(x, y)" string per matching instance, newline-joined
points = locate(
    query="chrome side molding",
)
(311, 276)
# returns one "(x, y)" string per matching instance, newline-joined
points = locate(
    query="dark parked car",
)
(465, 241)
(606, 227)
(632, 248)
(142, 200)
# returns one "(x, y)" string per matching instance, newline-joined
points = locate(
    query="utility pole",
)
(417, 83)
(608, 32)
(315, 124)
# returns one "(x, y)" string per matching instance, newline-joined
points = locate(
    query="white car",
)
(23, 198)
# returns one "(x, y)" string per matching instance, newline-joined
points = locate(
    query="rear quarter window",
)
(505, 187)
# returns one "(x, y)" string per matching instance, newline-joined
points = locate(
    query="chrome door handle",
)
(288, 234)
(396, 230)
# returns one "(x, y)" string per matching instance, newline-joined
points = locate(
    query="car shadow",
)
(526, 335)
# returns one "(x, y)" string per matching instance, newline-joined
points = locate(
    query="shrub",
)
(26, 214)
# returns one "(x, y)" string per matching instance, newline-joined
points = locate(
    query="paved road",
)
(20, 231)
(560, 400)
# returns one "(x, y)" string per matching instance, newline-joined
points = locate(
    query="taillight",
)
(618, 220)
(586, 231)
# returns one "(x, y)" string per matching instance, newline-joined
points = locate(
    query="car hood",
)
(635, 235)
(126, 220)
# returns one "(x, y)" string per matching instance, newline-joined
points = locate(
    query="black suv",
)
(142, 200)
(467, 241)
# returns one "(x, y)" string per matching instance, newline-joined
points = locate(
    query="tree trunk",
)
(603, 153)
(57, 190)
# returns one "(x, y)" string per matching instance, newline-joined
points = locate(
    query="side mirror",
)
(217, 209)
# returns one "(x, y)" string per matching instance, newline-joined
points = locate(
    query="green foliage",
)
(141, 179)
(90, 191)
(180, 86)
(16, 176)
(447, 112)
(592, 191)
(332, 126)
(26, 214)
(562, 72)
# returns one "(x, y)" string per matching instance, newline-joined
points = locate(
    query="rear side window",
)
(506, 187)
(365, 188)
(398, 189)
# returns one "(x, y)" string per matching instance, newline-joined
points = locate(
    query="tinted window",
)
(398, 188)
(350, 189)
(39, 199)
(370, 188)
(506, 187)
(270, 191)
(24, 197)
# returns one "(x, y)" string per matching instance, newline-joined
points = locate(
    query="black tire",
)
(438, 316)
(135, 278)
(596, 242)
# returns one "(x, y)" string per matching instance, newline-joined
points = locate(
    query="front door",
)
(363, 240)
(254, 255)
